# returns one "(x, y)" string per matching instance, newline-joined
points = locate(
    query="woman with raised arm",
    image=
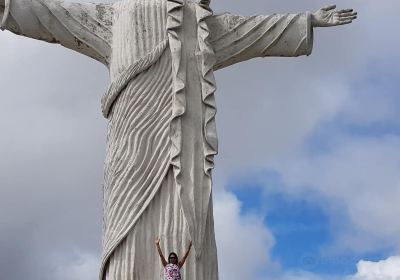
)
(172, 268)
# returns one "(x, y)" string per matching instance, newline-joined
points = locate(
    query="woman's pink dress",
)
(172, 272)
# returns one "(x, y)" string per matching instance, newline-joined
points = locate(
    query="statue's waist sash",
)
(118, 85)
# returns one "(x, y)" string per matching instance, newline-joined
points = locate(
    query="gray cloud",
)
(53, 135)
(52, 152)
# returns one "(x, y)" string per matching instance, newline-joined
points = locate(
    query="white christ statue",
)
(160, 107)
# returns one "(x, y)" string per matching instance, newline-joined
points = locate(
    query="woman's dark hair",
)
(172, 254)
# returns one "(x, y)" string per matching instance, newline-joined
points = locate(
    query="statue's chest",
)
(139, 26)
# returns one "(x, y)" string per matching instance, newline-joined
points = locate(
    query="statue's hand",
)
(329, 16)
(157, 241)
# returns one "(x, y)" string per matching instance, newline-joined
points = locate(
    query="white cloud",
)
(388, 269)
(361, 176)
(244, 243)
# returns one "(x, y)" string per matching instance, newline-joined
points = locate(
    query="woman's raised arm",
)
(164, 262)
(183, 260)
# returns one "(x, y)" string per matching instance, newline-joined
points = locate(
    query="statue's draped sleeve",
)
(239, 38)
(83, 27)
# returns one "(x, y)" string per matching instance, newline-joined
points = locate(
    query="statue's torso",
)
(139, 26)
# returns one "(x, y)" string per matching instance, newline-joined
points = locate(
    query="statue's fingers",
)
(347, 14)
(345, 11)
(345, 22)
(328, 8)
(348, 18)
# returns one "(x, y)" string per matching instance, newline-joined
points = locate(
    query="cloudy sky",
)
(307, 181)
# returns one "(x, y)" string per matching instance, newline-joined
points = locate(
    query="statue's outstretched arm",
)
(85, 27)
(238, 38)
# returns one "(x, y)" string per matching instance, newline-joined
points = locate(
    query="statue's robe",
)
(161, 111)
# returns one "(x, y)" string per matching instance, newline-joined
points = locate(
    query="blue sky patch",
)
(301, 227)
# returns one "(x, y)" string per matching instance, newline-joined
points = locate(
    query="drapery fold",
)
(137, 159)
(6, 13)
(195, 195)
(82, 27)
(119, 83)
(195, 198)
